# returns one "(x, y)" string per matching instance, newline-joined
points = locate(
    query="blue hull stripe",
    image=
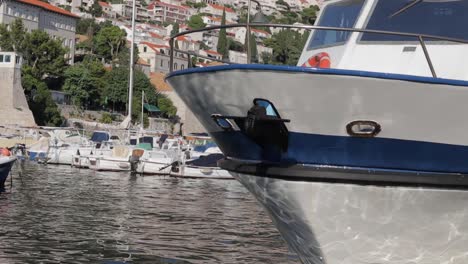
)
(262, 67)
(378, 153)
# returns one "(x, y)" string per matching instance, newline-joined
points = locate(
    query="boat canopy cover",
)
(206, 161)
(145, 146)
(100, 136)
(120, 152)
(151, 108)
(203, 148)
(148, 140)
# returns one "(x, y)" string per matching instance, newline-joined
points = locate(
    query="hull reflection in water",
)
(348, 224)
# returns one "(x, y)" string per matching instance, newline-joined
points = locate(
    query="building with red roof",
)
(57, 22)
(164, 12)
(217, 10)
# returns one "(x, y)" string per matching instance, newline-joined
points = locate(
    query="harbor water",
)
(59, 214)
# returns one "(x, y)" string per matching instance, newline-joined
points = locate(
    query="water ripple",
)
(58, 214)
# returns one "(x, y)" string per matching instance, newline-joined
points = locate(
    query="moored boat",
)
(359, 152)
(204, 166)
(154, 162)
(6, 162)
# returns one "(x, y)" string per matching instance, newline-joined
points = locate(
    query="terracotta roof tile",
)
(220, 7)
(154, 35)
(157, 79)
(48, 7)
(104, 4)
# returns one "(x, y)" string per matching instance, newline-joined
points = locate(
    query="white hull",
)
(82, 160)
(401, 107)
(109, 164)
(348, 224)
(202, 172)
(154, 167)
(59, 155)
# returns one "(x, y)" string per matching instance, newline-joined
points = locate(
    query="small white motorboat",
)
(154, 162)
(202, 167)
(121, 159)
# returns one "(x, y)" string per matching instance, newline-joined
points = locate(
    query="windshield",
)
(341, 14)
(445, 18)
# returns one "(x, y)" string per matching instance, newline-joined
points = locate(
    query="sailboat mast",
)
(142, 109)
(132, 64)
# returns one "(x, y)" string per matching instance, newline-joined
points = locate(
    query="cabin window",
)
(341, 14)
(440, 18)
(269, 107)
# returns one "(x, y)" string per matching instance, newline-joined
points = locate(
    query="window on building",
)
(168, 64)
(1, 58)
(161, 63)
(7, 58)
(10, 12)
(17, 59)
(175, 65)
(182, 67)
(144, 49)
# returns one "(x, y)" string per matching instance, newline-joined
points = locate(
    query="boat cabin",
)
(391, 53)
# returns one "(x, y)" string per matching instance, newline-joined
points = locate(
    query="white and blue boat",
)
(359, 153)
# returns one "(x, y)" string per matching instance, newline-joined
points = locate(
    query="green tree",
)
(96, 10)
(309, 14)
(116, 89)
(287, 46)
(166, 106)
(44, 56)
(84, 83)
(12, 39)
(222, 47)
(109, 41)
(40, 101)
(266, 58)
(175, 29)
(87, 26)
(253, 49)
(196, 22)
(236, 45)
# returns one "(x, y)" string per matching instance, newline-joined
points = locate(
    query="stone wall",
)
(14, 109)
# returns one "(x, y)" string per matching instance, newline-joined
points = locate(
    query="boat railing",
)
(421, 38)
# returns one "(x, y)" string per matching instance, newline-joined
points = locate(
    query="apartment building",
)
(125, 10)
(217, 10)
(158, 57)
(163, 12)
(35, 14)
